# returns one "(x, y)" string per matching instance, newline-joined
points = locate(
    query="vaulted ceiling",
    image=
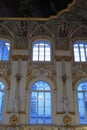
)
(32, 8)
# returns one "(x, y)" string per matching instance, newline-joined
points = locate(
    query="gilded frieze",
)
(66, 58)
(23, 57)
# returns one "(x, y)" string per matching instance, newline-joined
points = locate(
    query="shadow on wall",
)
(31, 8)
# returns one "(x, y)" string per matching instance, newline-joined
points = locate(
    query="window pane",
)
(40, 109)
(48, 120)
(41, 49)
(4, 50)
(1, 52)
(2, 87)
(82, 102)
(82, 53)
(6, 53)
(47, 58)
(41, 57)
(33, 120)
(47, 95)
(82, 86)
(33, 109)
(81, 108)
(35, 58)
(76, 54)
(47, 103)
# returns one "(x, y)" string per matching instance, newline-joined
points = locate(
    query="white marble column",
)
(69, 86)
(12, 85)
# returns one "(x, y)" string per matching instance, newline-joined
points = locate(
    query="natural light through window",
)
(82, 102)
(41, 51)
(4, 50)
(40, 104)
(2, 87)
(80, 51)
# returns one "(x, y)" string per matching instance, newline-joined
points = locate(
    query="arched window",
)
(4, 50)
(2, 87)
(40, 103)
(80, 51)
(41, 51)
(82, 101)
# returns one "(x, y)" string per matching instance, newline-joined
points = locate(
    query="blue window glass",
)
(41, 51)
(4, 50)
(2, 87)
(40, 104)
(80, 51)
(82, 102)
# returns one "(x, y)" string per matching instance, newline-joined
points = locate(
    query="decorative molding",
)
(62, 113)
(4, 68)
(66, 58)
(20, 112)
(14, 119)
(67, 120)
(79, 71)
(41, 72)
(18, 77)
(42, 30)
(5, 71)
(23, 57)
(63, 29)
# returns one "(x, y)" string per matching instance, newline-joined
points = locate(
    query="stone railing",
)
(43, 127)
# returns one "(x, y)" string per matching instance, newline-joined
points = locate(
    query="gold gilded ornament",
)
(14, 119)
(67, 120)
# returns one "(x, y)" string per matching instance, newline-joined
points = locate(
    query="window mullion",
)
(79, 52)
(85, 52)
(3, 51)
(44, 51)
(85, 105)
(37, 108)
(44, 107)
(38, 51)
(84, 102)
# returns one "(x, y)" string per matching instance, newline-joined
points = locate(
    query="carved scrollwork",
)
(14, 119)
(4, 68)
(78, 71)
(67, 120)
(63, 29)
(37, 73)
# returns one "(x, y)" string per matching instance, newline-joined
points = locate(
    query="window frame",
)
(3, 47)
(2, 107)
(83, 92)
(79, 42)
(42, 91)
(43, 61)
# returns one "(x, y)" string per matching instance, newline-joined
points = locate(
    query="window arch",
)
(2, 88)
(41, 50)
(80, 51)
(40, 103)
(4, 50)
(82, 101)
